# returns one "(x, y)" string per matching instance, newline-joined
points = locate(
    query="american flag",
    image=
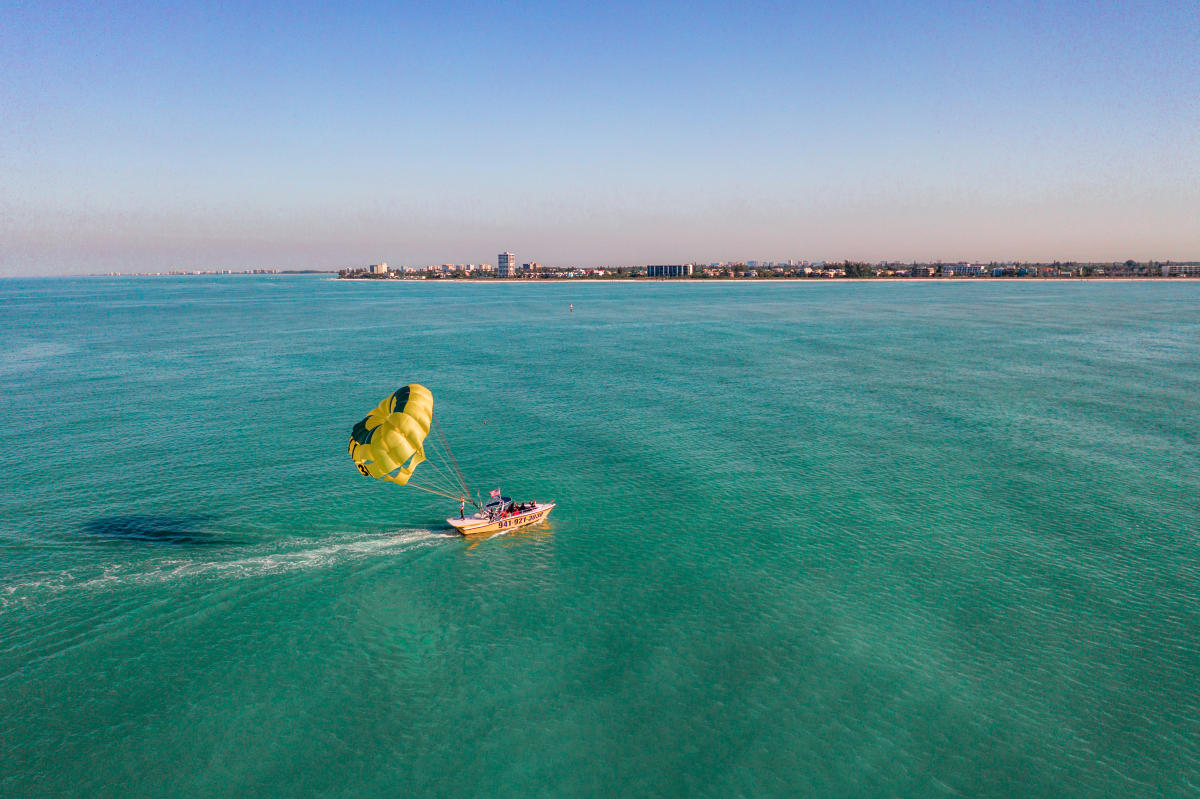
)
(495, 493)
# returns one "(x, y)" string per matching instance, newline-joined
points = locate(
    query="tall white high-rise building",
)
(506, 264)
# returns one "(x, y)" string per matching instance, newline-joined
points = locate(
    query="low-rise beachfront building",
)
(1181, 270)
(962, 270)
(669, 270)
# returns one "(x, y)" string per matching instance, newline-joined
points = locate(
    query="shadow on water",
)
(162, 529)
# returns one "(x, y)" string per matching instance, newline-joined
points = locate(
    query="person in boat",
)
(462, 507)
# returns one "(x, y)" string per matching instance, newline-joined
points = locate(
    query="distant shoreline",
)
(758, 280)
(648, 280)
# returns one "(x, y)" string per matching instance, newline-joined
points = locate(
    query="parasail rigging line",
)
(438, 476)
(432, 490)
(446, 481)
(442, 470)
(440, 458)
(453, 461)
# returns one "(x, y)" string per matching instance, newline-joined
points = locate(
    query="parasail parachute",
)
(389, 443)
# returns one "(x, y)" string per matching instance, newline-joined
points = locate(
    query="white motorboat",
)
(502, 515)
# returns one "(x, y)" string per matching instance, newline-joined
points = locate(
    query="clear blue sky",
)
(138, 137)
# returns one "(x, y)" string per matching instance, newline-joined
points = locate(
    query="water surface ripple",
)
(815, 539)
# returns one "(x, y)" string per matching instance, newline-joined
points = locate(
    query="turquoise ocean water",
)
(815, 539)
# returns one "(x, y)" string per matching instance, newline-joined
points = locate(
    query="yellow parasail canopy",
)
(390, 442)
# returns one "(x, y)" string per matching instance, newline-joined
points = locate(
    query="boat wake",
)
(290, 555)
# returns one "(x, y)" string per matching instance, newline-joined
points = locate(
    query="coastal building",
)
(1181, 270)
(505, 264)
(379, 269)
(961, 270)
(669, 270)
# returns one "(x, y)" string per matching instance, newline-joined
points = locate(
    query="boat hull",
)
(476, 526)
